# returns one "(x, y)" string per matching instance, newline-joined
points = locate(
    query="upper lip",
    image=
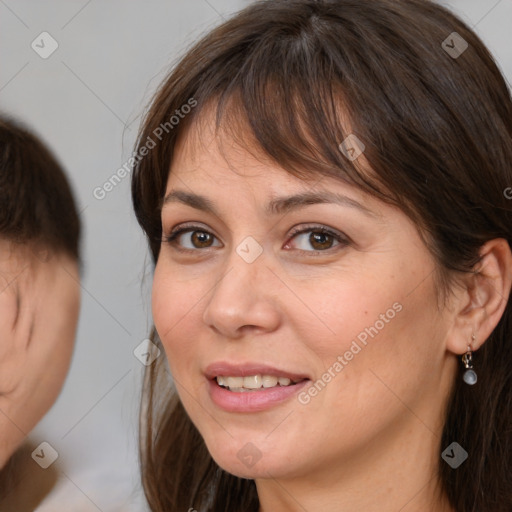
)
(223, 368)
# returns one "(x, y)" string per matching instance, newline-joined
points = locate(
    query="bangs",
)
(292, 109)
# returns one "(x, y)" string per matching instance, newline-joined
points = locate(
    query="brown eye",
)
(316, 239)
(201, 239)
(321, 241)
(191, 238)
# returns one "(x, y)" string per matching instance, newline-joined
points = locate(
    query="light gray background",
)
(85, 101)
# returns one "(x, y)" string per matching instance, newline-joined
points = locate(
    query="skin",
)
(39, 304)
(370, 440)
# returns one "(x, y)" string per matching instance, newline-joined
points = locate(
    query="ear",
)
(482, 298)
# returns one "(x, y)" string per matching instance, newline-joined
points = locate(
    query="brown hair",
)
(437, 128)
(36, 198)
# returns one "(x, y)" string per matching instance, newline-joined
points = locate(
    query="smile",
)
(251, 387)
(253, 382)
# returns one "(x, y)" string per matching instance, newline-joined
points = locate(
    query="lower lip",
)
(252, 401)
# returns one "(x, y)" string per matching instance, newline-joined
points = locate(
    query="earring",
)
(469, 375)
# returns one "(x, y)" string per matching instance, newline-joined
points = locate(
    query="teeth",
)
(269, 381)
(241, 384)
(252, 382)
(234, 382)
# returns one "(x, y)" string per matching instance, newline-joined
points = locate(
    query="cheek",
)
(374, 332)
(175, 307)
(58, 322)
(351, 306)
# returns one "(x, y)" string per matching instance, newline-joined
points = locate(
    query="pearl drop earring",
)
(469, 375)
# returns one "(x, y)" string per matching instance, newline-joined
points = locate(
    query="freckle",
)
(366, 312)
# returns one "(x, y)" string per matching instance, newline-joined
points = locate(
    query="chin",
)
(260, 469)
(252, 460)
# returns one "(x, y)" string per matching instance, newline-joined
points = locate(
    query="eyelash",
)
(342, 240)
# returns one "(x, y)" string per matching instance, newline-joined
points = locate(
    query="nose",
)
(244, 299)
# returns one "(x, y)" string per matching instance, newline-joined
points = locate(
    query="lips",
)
(249, 369)
(266, 386)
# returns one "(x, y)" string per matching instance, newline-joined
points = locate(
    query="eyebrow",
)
(277, 206)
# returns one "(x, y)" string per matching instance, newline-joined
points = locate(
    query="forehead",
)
(205, 152)
(209, 163)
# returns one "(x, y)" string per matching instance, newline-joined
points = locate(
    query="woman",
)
(331, 241)
(39, 286)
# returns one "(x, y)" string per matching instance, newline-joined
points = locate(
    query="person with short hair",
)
(39, 282)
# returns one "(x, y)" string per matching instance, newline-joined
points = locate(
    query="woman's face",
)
(254, 292)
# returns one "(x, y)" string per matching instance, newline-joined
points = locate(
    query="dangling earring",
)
(469, 375)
